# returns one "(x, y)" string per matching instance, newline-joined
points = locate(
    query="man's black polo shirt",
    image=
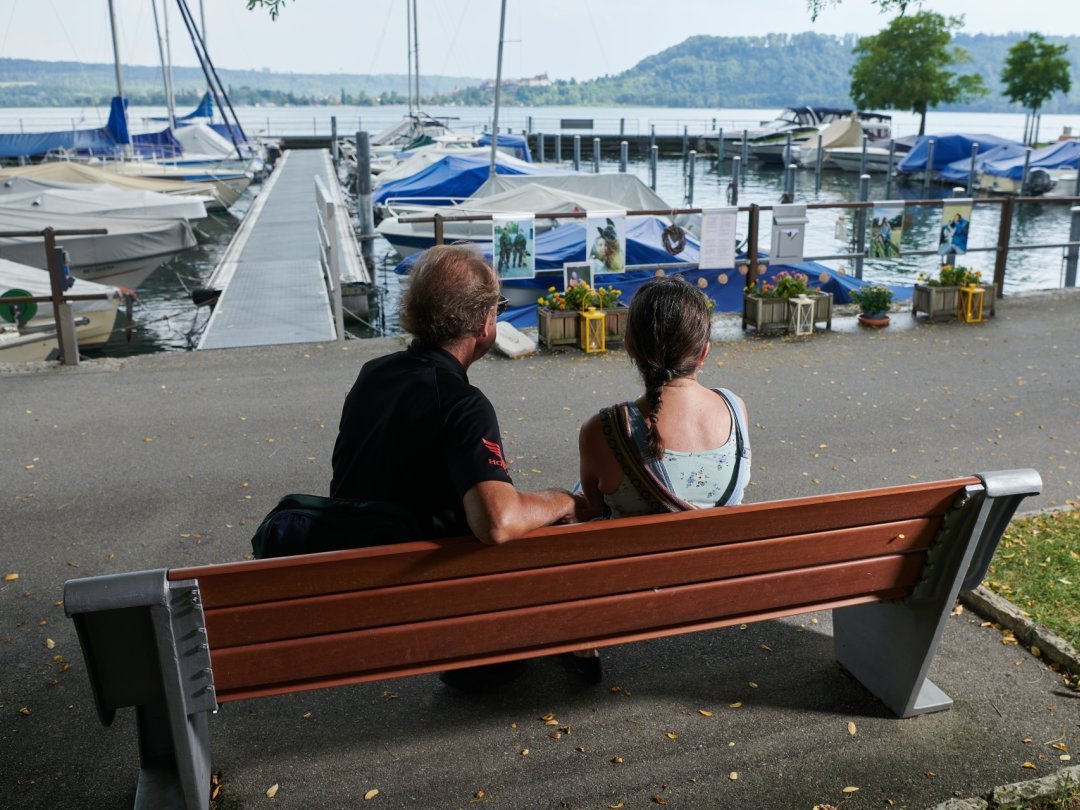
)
(414, 431)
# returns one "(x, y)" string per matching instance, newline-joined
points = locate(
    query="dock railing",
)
(64, 318)
(754, 262)
(339, 253)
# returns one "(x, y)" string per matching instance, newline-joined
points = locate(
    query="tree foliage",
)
(1034, 70)
(817, 6)
(907, 66)
(273, 6)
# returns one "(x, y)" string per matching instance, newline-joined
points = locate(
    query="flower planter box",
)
(557, 327)
(773, 313)
(616, 319)
(939, 303)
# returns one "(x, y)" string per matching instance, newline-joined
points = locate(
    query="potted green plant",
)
(557, 313)
(765, 305)
(874, 302)
(936, 296)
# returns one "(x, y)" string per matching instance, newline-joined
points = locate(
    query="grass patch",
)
(1037, 568)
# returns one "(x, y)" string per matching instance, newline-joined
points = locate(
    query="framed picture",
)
(513, 245)
(605, 241)
(955, 224)
(574, 273)
(886, 230)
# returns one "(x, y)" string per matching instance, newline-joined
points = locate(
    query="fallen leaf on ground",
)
(24, 711)
(49, 644)
(705, 713)
(271, 791)
(850, 789)
(733, 775)
(851, 729)
(1029, 765)
(524, 752)
(371, 794)
(617, 761)
(1065, 757)
(671, 735)
(10, 577)
(479, 794)
(736, 705)
(617, 805)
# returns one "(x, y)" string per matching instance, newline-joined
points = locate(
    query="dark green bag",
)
(307, 524)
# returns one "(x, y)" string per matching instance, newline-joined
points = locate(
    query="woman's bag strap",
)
(619, 435)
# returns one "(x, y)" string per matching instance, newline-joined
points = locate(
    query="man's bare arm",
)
(497, 511)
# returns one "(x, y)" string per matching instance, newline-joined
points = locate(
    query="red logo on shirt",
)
(497, 460)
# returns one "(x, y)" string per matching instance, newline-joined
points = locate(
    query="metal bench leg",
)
(888, 647)
(144, 642)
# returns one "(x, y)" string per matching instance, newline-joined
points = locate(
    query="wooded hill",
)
(703, 71)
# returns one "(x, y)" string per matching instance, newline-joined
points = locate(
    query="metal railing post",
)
(720, 146)
(596, 155)
(889, 171)
(654, 152)
(577, 153)
(624, 152)
(1004, 234)
(971, 171)
(540, 146)
(685, 140)
(860, 225)
(745, 154)
(333, 141)
(929, 168)
(752, 243)
(1073, 251)
(558, 147)
(690, 177)
(364, 211)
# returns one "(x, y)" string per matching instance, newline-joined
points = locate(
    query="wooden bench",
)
(888, 562)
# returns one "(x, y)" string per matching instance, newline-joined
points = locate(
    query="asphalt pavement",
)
(172, 459)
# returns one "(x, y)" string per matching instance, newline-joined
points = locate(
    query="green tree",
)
(817, 6)
(906, 66)
(273, 6)
(1034, 70)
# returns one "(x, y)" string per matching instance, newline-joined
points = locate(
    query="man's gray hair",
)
(451, 292)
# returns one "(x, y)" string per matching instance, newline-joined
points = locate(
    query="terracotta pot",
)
(874, 320)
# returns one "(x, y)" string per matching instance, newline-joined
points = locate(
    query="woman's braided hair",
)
(667, 329)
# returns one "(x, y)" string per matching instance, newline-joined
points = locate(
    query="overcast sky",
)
(563, 38)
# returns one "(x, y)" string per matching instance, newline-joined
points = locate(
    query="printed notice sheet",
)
(717, 238)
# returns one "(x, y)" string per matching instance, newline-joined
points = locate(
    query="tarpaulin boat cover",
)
(518, 143)
(107, 139)
(157, 144)
(454, 177)
(1060, 155)
(65, 173)
(566, 243)
(947, 148)
(88, 198)
(204, 110)
(960, 170)
(625, 190)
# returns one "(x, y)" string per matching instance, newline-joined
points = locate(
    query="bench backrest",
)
(288, 624)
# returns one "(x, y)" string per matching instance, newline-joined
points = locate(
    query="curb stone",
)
(1016, 794)
(1052, 647)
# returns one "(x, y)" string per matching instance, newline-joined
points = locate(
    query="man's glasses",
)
(500, 307)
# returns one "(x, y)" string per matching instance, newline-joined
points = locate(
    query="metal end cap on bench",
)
(115, 591)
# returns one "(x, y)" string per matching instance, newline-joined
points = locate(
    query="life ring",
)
(674, 239)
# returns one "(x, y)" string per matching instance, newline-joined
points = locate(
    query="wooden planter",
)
(557, 327)
(773, 313)
(560, 327)
(939, 303)
(617, 317)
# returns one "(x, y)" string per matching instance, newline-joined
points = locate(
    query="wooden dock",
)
(273, 285)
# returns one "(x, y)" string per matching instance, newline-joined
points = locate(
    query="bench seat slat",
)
(313, 662)
(248, 582)
(367, 608)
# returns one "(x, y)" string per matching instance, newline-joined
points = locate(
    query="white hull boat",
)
(125, 255)
(94, 320)
(66, 174)
(103, 200)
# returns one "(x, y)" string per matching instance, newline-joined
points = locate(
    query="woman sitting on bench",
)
(680, 445)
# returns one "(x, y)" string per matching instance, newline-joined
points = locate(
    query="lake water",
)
(166, 320)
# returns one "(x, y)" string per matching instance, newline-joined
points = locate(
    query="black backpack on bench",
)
(308, 524)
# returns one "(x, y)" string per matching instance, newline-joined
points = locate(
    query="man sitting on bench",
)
(414, 431)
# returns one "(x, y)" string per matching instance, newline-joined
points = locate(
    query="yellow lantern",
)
(593, 332)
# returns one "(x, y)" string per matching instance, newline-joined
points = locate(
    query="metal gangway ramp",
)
(273, 286)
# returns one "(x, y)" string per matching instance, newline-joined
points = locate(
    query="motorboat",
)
(35, 338)
(125, 255)
(838, 128)
(1047, 168)
(850, 158)
(67, 174)
(947, 148)
(101, 199)
(228, 185)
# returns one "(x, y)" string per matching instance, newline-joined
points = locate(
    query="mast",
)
(416, 52)
(498, 81)
(171, 90)
(119, 78)
(408, 51)
(164, 66)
